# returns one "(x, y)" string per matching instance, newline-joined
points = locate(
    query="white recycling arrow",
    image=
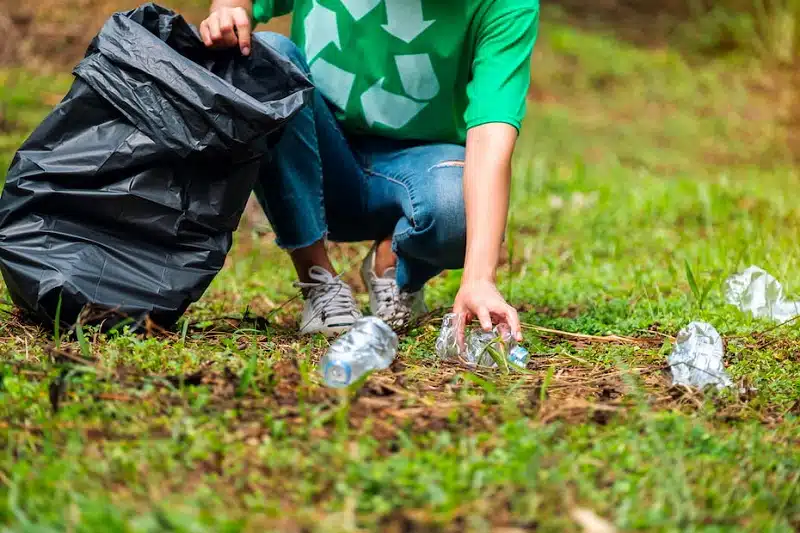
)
(391, 110)
(360, 8)
(417, 76)
(404, 19)
(334, 83)
(321, 30)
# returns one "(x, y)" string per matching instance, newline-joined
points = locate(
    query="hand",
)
(481, 299)
(228, 25)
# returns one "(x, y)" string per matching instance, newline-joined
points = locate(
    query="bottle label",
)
(337, 374)
(518, 356)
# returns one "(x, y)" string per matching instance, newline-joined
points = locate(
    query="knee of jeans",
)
(441, 214)
(284, 46)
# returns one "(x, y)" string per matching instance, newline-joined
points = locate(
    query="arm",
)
(497, 95)
(487, 181)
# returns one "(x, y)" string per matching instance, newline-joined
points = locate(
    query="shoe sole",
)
(327, 332)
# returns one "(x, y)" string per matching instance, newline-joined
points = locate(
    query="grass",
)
(768, 28)
(24, 99)
(638, 189)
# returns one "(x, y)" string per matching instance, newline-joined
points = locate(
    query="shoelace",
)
(394, 304)
(329, 295)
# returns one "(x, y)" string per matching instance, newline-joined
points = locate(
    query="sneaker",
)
(330, 307)
(386, 300)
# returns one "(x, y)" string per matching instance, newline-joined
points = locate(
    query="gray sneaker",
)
(386, 301)
(330, 307)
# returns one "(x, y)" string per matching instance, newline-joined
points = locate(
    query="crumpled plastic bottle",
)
(481, 348)
(696, 359)
(757, 292)
(369, 345)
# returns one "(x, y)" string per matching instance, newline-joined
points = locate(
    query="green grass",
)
(227, 428)
(767, 28)
(24, 99)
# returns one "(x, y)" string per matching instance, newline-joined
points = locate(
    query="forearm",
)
(487, 182)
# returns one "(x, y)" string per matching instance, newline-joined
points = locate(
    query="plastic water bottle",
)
(519, 356)
(479, 343)
(369, 345)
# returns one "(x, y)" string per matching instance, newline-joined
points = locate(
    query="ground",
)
(644, 178)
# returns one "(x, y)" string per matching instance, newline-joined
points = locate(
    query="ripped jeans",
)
(322, 183)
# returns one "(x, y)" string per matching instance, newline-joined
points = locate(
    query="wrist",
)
(482, 258)
(247, 5)
(471, 277)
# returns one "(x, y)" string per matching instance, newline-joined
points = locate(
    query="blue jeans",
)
(321, 182)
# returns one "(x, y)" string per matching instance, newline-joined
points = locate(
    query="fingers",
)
(462, 319)
(226, 28)
(489, 308)
(242, 22)
(508, 316)
(485, 318)
(205, 34)
(213, 29)
(512, 319)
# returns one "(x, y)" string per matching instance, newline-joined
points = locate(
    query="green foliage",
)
(769, 28)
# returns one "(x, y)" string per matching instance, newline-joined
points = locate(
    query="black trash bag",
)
(126, 196)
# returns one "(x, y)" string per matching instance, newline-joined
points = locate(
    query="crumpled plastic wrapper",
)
(477, 344)
(696, 359)
(757, 292)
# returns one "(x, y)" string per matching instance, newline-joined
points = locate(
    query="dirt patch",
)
(438, 399)
(6, 126)
(413, 397)
(54, 34)
(9, 52)
(641, 22)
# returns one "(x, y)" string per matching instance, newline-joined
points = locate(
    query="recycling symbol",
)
(405, 22)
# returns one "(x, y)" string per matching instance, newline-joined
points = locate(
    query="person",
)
(407, 142)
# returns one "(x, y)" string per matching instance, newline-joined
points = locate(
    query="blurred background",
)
(670, 85)
(665, 84)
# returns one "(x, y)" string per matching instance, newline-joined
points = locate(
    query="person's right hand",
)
(228, 25)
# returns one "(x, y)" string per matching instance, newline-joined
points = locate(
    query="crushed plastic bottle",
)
(696, 359)
(447, 344)
(479, 346)
(757, 292)
(369, 345)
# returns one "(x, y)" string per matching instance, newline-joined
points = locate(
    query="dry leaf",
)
(590, 522)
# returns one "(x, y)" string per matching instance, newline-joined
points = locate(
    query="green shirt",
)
(416, 69)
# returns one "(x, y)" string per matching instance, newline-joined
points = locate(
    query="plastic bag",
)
(126, 196)
(696, 359)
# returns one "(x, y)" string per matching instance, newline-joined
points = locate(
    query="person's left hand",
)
(482, 300)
